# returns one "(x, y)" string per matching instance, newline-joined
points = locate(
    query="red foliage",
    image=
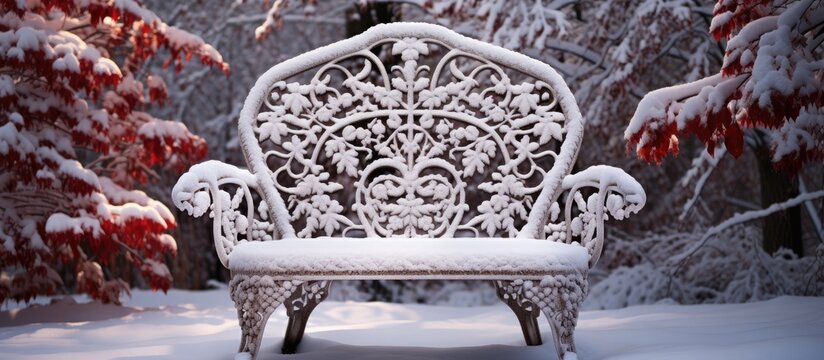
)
(734, 15)
(157, 89)
(61, 96)
(169, 149)
(765, 83)
(659, 144)
(734, 140)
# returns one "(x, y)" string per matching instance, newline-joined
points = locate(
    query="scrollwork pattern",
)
(612, 194)
(411, 140)
(206, 189)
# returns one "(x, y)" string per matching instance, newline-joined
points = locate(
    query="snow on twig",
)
(711, 163)
(742, 218)
(811, 210)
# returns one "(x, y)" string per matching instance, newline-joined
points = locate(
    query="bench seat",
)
(405, 258)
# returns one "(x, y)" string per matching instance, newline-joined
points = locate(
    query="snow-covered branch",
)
(769, 80)
(815, 215)
(741, 218)
(705, 165)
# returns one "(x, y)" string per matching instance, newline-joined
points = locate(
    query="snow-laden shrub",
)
(77, 142)
(730, 268)
(626, 286)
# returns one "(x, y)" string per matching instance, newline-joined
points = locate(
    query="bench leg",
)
(510, 293)
(305, 297)
(560, 297)
(242, 330)
(256, 298)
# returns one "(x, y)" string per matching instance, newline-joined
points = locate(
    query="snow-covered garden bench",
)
(408, 152)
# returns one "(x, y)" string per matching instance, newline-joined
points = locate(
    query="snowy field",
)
(202, 325)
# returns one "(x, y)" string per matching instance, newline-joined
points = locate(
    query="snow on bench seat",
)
(444, 258)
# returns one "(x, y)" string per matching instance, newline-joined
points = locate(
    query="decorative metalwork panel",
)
(409, 137)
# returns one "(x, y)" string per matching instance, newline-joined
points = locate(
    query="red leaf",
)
(734, 139)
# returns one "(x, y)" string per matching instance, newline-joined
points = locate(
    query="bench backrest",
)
(410, 130)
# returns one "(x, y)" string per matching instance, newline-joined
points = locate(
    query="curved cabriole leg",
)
(510, 292)
(238, 291)
(242, 328)
(305, 297)
(256, 298)
(560, 297)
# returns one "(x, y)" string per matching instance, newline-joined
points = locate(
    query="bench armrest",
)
(206, 188)
(612, 192)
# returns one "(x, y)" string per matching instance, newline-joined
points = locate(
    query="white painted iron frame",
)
(237, 219)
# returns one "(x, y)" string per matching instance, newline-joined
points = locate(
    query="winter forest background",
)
(749, 134)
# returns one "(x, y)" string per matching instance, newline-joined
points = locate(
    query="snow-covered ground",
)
(202, 325)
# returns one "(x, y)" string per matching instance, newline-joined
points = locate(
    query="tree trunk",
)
(361, 17)
(783, 228)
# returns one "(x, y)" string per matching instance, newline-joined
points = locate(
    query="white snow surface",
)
(203, 325)
(434, 258)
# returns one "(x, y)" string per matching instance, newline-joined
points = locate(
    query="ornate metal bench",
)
(408, 152)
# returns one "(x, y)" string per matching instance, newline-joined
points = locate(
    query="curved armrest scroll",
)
(618, 195)
(198, 191)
